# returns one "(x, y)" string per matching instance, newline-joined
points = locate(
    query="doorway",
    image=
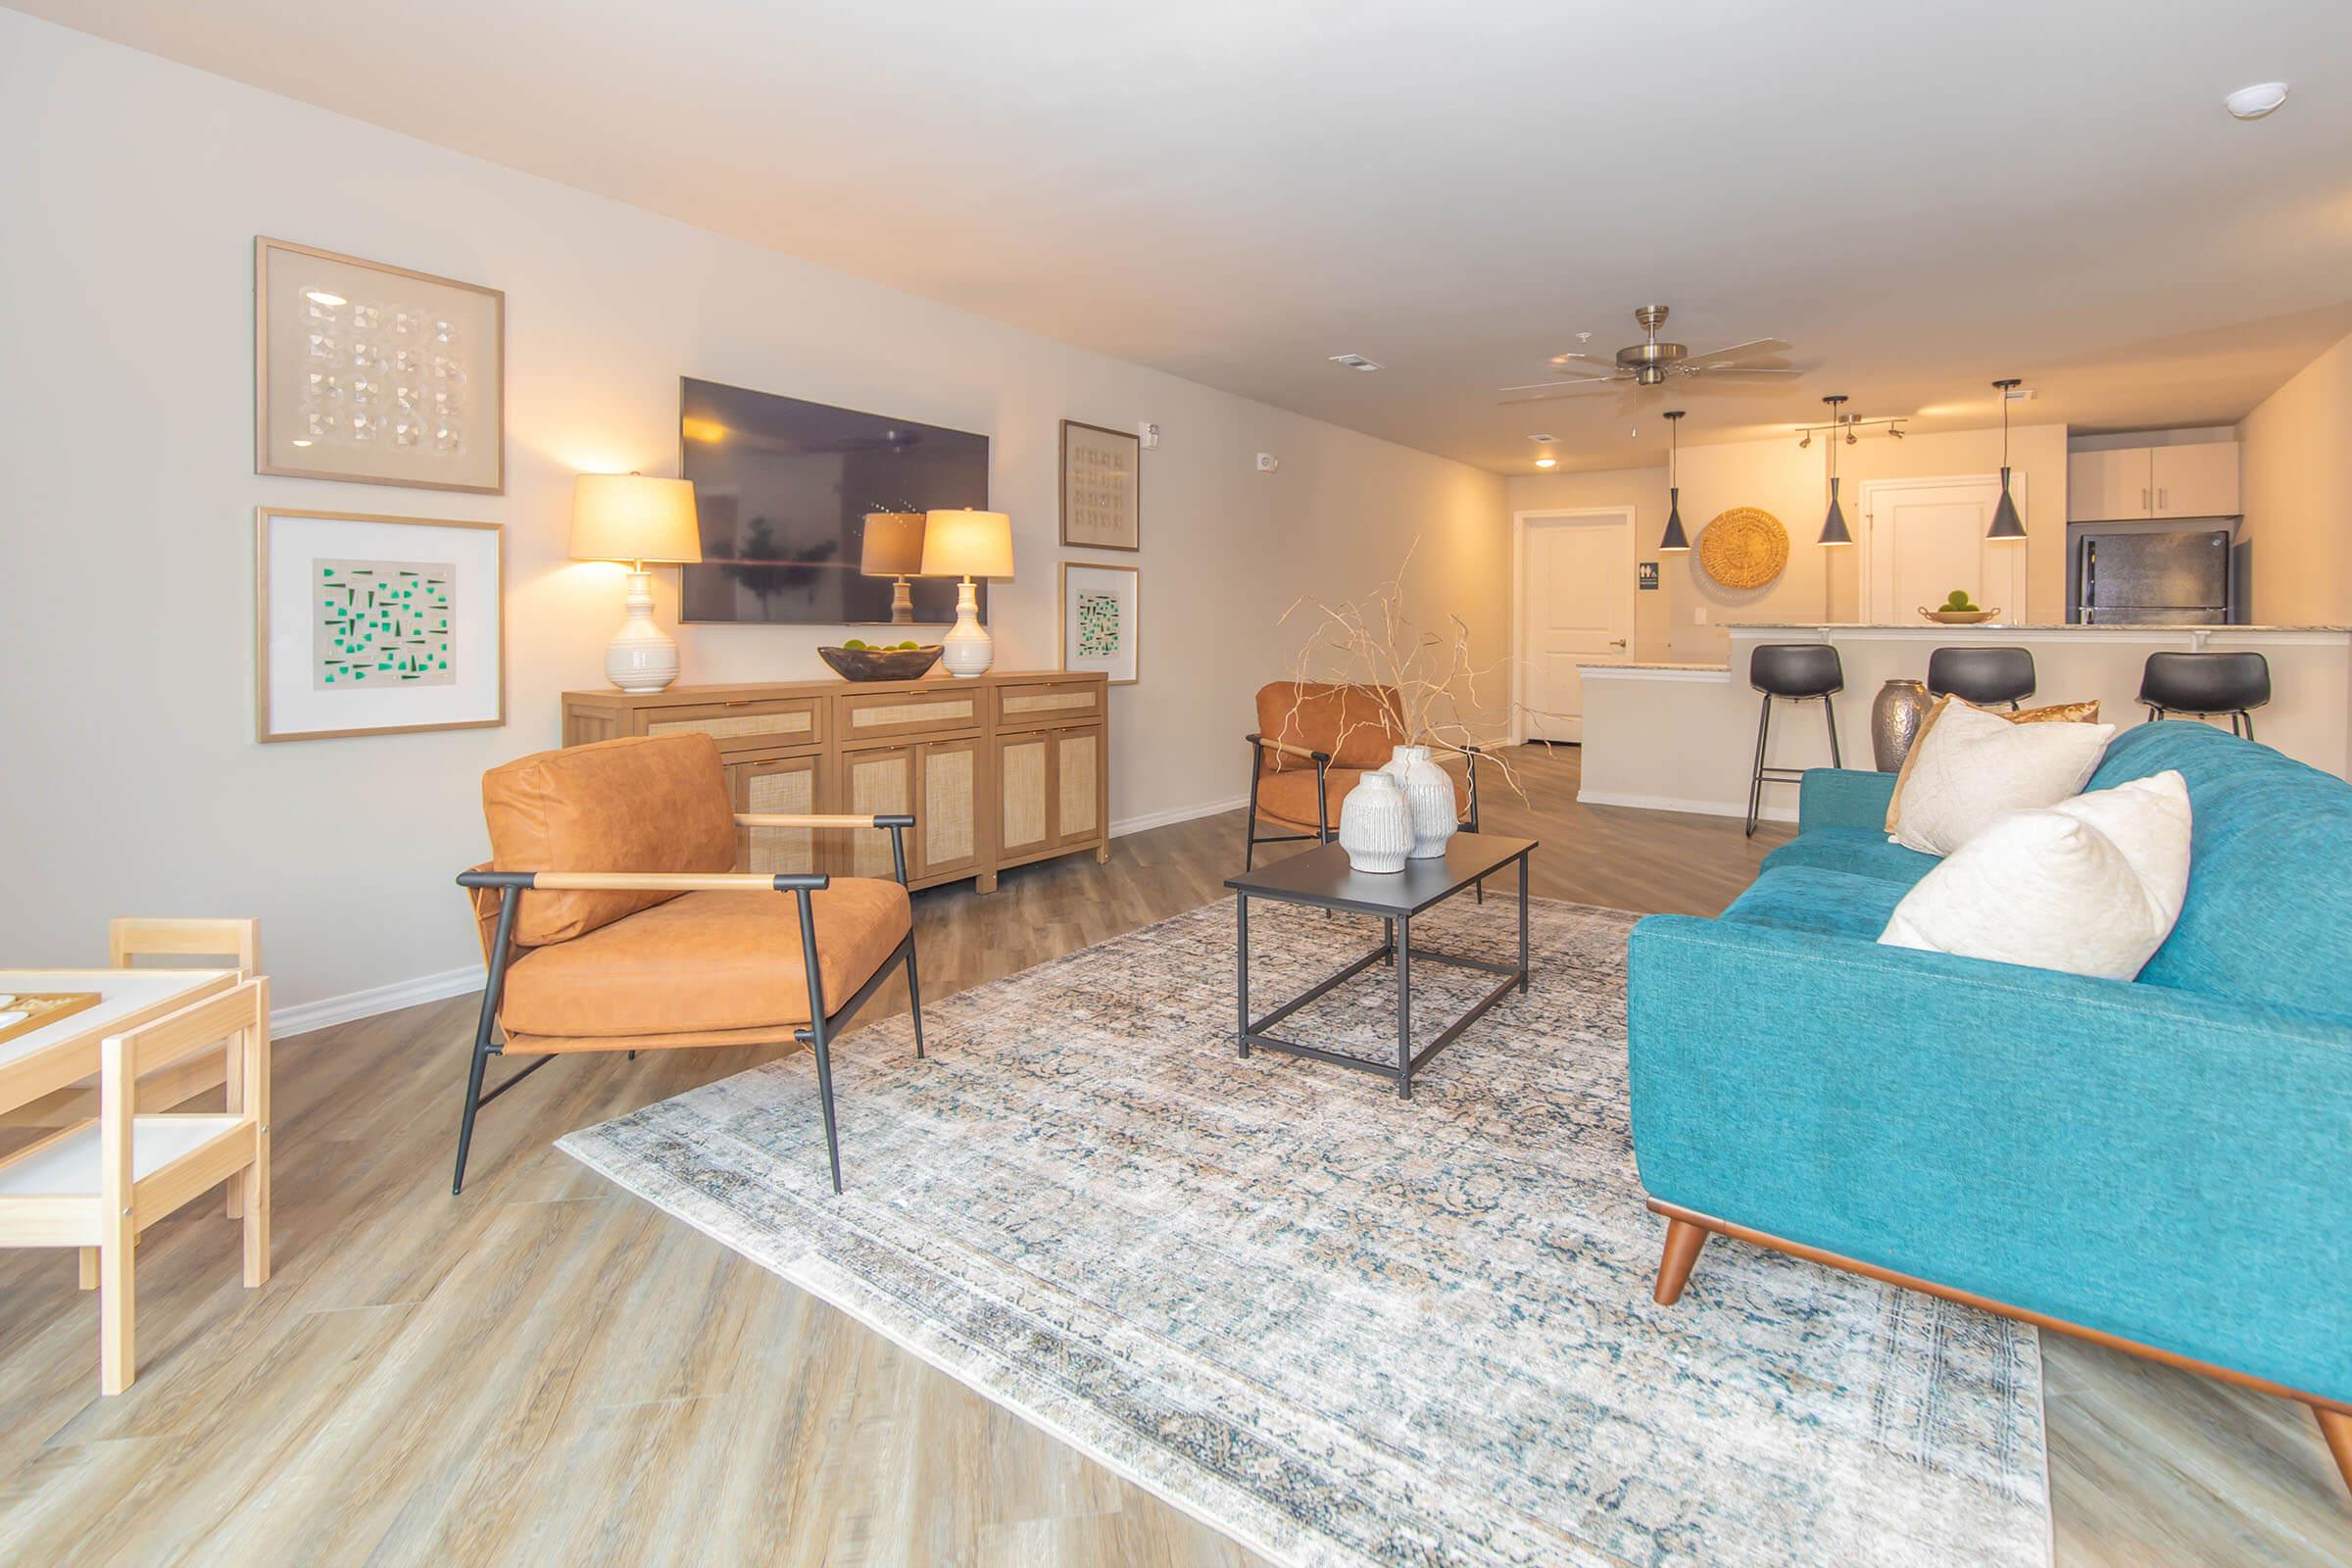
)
(1923, 538)
(1575, 606)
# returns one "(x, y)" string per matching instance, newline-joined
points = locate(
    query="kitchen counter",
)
(1681, 736)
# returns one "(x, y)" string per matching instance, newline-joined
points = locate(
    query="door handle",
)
(2143, 499)
(2161, 503)
(1616, 641)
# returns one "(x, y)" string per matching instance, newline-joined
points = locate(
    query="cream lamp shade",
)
(893, 546)
(628, 517)
(968, 544)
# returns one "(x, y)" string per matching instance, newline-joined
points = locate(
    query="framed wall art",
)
(1101, 621)
(373, 626)
(1102, 487)
(375, 374)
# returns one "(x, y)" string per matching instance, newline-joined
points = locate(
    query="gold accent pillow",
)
(2055, 713)
(2058, 714)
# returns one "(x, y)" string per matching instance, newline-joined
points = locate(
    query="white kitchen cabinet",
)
(2126, 483)
(2199, 482)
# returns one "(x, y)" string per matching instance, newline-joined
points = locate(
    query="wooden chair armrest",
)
(1320, 759)
(778, 820)
(649, 881)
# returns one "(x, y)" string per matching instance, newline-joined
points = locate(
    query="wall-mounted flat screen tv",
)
(783, 488)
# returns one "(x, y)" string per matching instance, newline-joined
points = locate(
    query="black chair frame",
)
(818, 1034)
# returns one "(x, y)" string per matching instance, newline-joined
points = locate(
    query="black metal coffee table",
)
(1322, 879)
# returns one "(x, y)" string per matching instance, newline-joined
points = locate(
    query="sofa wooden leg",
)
(1683, 1242)
(2336, 1427)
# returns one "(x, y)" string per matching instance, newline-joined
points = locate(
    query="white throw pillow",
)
(2090, 886)
(1971, 766)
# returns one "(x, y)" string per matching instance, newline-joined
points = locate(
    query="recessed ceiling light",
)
(2252, 103)
(1354, 362)
(1543, 440)
(1547, 461)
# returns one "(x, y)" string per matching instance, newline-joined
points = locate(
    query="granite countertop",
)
(2007, 626)
(1653, 664)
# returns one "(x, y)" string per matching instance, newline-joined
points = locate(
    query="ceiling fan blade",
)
(1740, 370)
(1567, 381)
(1752, 347)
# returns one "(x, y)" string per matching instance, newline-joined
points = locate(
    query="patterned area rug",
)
(1344, 1328)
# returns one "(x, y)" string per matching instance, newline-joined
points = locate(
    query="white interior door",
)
(1925, 538)
(1577, 608)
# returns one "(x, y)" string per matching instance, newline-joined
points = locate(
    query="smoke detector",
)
(1356, 361)
(2252, 103)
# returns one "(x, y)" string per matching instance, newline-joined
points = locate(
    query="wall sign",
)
(1648, 575)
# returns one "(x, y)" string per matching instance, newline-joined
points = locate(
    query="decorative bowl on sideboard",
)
(1958, 617)
(880, 664)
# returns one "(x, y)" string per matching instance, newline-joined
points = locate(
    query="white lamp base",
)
(968, 650)
(641, 658)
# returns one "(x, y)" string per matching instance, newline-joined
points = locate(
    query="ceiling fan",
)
(1649, 363)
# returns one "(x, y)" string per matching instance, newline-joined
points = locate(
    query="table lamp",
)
(894, 548)
(968, 544)
(627, 516)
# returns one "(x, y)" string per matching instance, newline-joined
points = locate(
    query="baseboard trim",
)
(1179, 814)
(354, 1005)
(1670, 802)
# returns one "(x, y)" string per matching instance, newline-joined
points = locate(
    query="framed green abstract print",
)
(1101, 618)
(376, 626)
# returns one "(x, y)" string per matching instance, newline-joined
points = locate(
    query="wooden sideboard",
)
(997, 771)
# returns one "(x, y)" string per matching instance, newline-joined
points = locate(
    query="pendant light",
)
(2007, 528)
(1675, 538)
(1832, 526)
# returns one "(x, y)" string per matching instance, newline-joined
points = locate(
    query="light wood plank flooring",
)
(547, 1370)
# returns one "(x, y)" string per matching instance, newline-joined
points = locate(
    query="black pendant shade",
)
(1675, 538)
(1832, 526)
(2006, 524)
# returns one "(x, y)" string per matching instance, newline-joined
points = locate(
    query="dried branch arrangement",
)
(1423, 683)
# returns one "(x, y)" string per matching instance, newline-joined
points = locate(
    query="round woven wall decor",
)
(1743, 547)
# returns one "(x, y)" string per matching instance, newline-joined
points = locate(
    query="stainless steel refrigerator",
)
(2156, 580)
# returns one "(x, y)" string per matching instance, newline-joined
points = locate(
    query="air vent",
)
(1354, 362)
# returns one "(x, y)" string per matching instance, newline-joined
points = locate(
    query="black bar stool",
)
(1793, 673)
(2205, 686)
(1982, 675)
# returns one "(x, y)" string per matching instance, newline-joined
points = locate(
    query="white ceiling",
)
(1919, 197)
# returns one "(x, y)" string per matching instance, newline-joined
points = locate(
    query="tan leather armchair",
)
(1313, 743)
(611, 919)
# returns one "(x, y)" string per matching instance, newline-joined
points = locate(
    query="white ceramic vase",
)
(1376, 826)
(1429, 796)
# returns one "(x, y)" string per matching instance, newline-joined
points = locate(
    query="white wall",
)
(2296, 483)
(130, 192)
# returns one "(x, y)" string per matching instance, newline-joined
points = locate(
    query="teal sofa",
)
(2164, 1164)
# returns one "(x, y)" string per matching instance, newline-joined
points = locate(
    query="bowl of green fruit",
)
(860, 659)
(1958, 610)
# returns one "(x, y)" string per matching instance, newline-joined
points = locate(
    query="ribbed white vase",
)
(1429, 796)
(1376, 826)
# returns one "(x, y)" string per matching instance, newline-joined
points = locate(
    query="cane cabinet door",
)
(778, 786)
(1024, 793)
(949, 820)
(879, 781)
